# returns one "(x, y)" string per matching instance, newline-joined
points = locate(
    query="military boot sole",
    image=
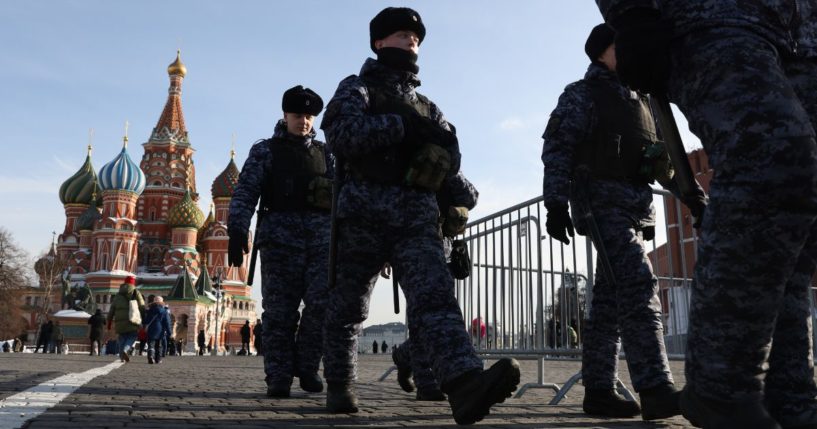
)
(501, 381)
(701, 415)
(341, 403)
(618, 411)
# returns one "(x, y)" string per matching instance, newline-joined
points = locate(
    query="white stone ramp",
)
(15, 410)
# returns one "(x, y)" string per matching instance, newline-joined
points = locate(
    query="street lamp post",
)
(217, 289)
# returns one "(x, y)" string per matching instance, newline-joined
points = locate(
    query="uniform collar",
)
(373, 69)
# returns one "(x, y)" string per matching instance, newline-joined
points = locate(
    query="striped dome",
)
(224, 185)
(185, 214)
(79, 188)
(122, 174)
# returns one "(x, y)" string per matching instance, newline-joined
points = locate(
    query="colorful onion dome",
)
(47, 263)
(225, 183)
(122, 174)
(79, 187)
(185, 214)
(177, 67)
(88, 218)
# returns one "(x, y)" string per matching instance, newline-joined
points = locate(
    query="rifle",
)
(396, 291)
(684, 178)
(582, 181)
(254, 255)
(337, 183)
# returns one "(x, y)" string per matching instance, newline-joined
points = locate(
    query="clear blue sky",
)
(496, 69)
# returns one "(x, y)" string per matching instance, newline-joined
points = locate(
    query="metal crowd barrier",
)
(528, 294)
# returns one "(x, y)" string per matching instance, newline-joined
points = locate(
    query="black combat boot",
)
(710, 413)
(278, 389)
(311, 383)
(472, 394)
(608, 403)
(431, 393)
(340, 398)
(660, 402)
(403, 372)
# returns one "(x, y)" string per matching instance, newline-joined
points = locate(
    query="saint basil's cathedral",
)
(140, 218)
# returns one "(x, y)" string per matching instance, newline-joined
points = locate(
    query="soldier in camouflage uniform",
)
(743, 73)
(291, 173)
(399, 148)
(594, 155)
(410, 357)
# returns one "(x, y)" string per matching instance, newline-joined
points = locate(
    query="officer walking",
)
(595, 155)
(291, 173)
(743, 73)
(399, 150)
(412, 361)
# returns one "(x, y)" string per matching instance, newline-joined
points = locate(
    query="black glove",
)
(237, 248)
(558, 223)
(642, 50)
(420, 130)
(697, 207)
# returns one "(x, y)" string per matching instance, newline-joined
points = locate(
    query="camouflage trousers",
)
(291, 275)
(754, 111)
(412, 354)
(627, 311)
(416, 252)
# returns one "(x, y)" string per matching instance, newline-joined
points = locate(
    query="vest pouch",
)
(319, 193)
(454, 221)
(460, 264)
(428, 167)
(656, 165)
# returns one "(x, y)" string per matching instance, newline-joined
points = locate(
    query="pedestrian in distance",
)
(97, 324)
(601, 153)
(156, 328)
(120, 317)
(257, 333)
(398, 150)
(375, 347)
(246, 332)
(291, 173)
(57, 338)
(743, 73)
(200, 340)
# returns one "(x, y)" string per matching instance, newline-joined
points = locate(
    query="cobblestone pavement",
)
(209, 392)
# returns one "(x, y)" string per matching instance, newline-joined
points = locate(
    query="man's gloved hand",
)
(419, 130)
(642, 50)
(697, 207)
(237, 248)
(558, 223)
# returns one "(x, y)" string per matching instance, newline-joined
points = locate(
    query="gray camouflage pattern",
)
(383, 223)
(754, 111)
(629, 310)
(294, 248)
(412, 353)
(791, 25)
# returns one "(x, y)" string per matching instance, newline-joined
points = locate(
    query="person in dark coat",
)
(742, 72)
(375, 346)
(384, 347)
(200, 339)
(257, 332)
(97, 325)
(45, 336)
(246, 332)
(156, 328)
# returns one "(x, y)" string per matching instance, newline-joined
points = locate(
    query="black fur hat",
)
(301, 100)
(393, 19)
(600, 38)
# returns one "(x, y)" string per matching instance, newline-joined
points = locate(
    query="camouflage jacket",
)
(294, 228)
(351, 131)
(790, 24)
(570, 124)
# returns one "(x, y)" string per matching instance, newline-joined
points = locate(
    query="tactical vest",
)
(388, 165)
(290, 186)
(625, 129)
